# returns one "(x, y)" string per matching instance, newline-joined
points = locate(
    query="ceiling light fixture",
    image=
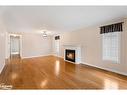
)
(44, 34)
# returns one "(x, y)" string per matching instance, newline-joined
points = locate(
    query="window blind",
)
(117, 27)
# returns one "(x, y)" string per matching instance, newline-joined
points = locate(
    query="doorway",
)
(14, 46)
(57, 45)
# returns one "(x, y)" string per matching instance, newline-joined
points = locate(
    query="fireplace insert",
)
(70, 55)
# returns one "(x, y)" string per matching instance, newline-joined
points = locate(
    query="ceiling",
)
(58, 19)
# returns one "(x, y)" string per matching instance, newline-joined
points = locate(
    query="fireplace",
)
(70, 55)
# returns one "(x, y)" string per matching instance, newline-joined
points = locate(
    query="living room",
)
(63, 47)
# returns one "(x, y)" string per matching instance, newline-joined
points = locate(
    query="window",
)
(111, 46)
(111, 38)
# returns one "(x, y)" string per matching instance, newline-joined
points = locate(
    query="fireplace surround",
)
(72, 53)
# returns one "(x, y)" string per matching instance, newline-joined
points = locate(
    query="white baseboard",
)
(119, 72)
(15, 53)
(25, 57)
(57, 56)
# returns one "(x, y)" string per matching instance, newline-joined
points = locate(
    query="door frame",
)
(9, 44)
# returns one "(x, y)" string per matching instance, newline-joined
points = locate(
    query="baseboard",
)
(15, 53)
(36, 56)
(118, 72)
(58, 56)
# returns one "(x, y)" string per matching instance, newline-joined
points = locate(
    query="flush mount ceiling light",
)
(44, 33)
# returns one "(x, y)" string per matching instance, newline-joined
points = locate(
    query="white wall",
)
(90, 40)
(31, 45)
(35, 45)
(2, 46)
(2, 50)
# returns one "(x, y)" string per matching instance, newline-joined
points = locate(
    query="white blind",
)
(111, 46)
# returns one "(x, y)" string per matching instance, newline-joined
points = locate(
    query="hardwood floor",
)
(51, 72)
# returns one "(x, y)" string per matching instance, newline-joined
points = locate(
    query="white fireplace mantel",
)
(72, 45)
(77, 49)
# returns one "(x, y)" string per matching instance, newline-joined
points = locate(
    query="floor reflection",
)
(14, 76)
(43, 83)
(57, 67)
(110, 84)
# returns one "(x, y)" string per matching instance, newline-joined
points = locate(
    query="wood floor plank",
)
(51, 72)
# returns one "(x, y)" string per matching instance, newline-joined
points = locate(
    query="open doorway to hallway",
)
(15, 46)
(57, 45)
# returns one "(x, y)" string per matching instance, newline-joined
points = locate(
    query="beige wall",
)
(2, 50)
(31, 45)
(2, 46)
(90, 40)
(35, 45)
